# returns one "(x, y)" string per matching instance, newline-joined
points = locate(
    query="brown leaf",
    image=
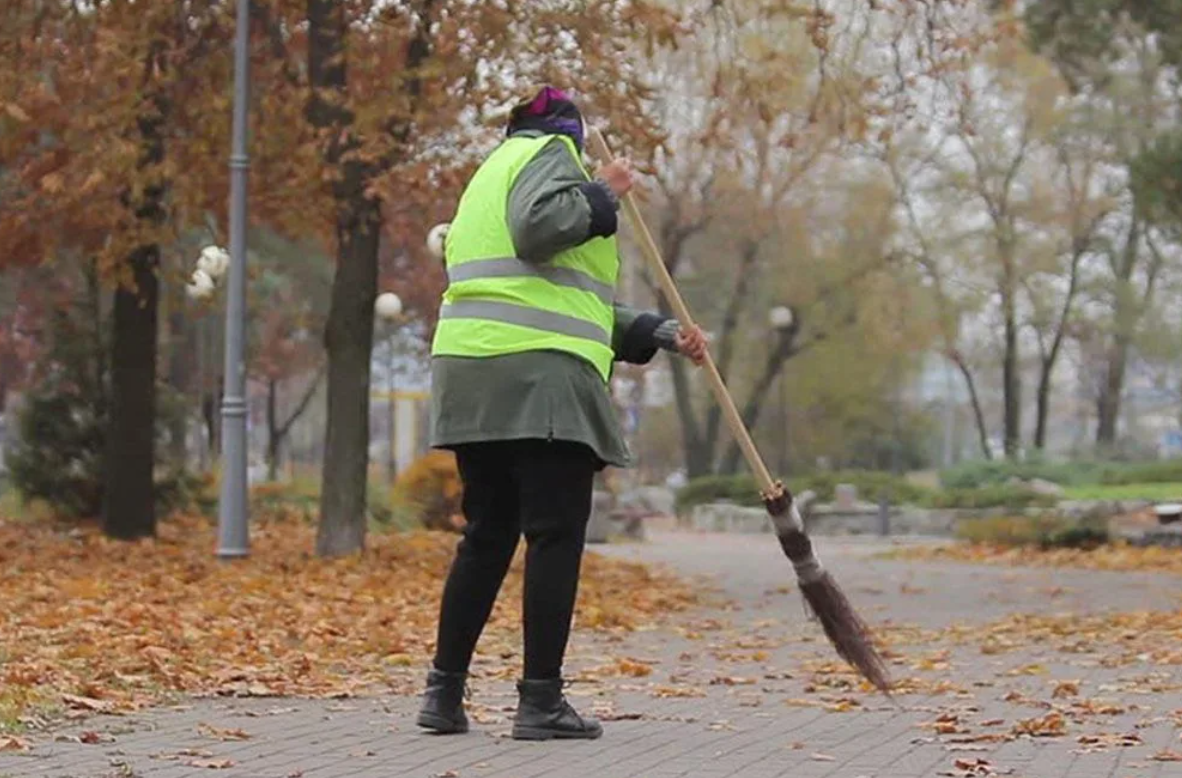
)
(222, 733)
(211, 764)
(16, 112)
(86, 703)
(14, 743)
(90, 737)
(1050, 725)
(1167, 755)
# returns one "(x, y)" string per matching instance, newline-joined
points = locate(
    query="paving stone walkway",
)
(747, 689)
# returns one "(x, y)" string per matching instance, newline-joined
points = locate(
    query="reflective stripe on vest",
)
(498, 304)
(525, 317)
(511, 267)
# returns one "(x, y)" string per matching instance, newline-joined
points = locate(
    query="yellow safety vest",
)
(497, 303)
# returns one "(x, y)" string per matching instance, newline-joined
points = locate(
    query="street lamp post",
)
(233, 536)
(780, 318)
(388, 308)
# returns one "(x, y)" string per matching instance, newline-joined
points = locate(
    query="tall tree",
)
(388, 105)
(749, 148)
(98, 157)
(1116, 52)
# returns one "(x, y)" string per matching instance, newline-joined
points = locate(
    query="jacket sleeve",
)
(553, 206)
(637, 335)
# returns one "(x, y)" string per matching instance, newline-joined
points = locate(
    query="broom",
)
(823, 597)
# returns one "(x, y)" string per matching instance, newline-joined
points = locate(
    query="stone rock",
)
(1040, 486)
(648, 500)
(845, 496)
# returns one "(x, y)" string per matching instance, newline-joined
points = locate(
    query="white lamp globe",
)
(780, 317)
(214, 261)
(200, 285)
(435, 239)
(388, 306)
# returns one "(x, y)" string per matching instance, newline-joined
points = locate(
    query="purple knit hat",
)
(550, 111)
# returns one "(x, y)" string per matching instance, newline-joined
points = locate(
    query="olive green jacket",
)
(546, 394)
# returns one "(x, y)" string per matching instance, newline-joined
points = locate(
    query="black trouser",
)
(539, 488)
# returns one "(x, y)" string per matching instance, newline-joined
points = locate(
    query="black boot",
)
(443, 703)
(543, 713)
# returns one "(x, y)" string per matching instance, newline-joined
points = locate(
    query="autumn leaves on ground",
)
(98, 625)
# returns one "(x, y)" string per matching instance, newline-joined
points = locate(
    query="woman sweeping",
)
(528, 332)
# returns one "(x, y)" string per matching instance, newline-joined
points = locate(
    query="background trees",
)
(916, 231)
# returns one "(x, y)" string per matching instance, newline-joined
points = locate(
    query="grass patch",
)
(1158, 492)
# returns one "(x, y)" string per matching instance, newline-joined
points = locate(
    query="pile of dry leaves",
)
(1110, 557)
(105, 625)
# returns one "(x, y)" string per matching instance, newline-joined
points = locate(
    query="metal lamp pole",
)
(233, 537)
(388, 308)
(781, 318)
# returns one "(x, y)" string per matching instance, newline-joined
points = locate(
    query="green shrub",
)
(58, 453)
(1077, 473)
(739, 489)
(1161, 472)
(971, 475)
(994, 496)
(872, 486)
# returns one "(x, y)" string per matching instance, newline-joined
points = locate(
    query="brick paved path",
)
(759, 666)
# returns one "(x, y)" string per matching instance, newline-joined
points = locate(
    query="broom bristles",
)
(827, 603)
(845, 629)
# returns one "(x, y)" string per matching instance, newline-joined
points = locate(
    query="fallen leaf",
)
(633, 668)
(1050, 725)
(14, 743)
(817, 757)
(1167, 755)
(222, 733)
(90, 737)
(730, 680)
(16, 112)
(86, 703)
(1065, 689)
(211, 764)
(301, 627)
(677, 691)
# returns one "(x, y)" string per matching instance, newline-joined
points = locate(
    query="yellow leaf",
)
(16, 112)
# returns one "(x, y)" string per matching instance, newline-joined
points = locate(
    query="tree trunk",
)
(975, 402)
(725, 352)
(182, 342)
(1044, 402)
(272, 432)
(1108, 406)
(1124, 326)
(349, 341)
(774, 366)
(1011, 381)
(210, 411)
(349, 331)
(129, 509)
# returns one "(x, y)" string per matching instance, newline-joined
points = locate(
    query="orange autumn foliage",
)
(106, 625)
(432, 487)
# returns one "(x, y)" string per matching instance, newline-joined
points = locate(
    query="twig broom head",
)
(825, 600)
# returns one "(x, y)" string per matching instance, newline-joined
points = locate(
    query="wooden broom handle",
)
(652, 254)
